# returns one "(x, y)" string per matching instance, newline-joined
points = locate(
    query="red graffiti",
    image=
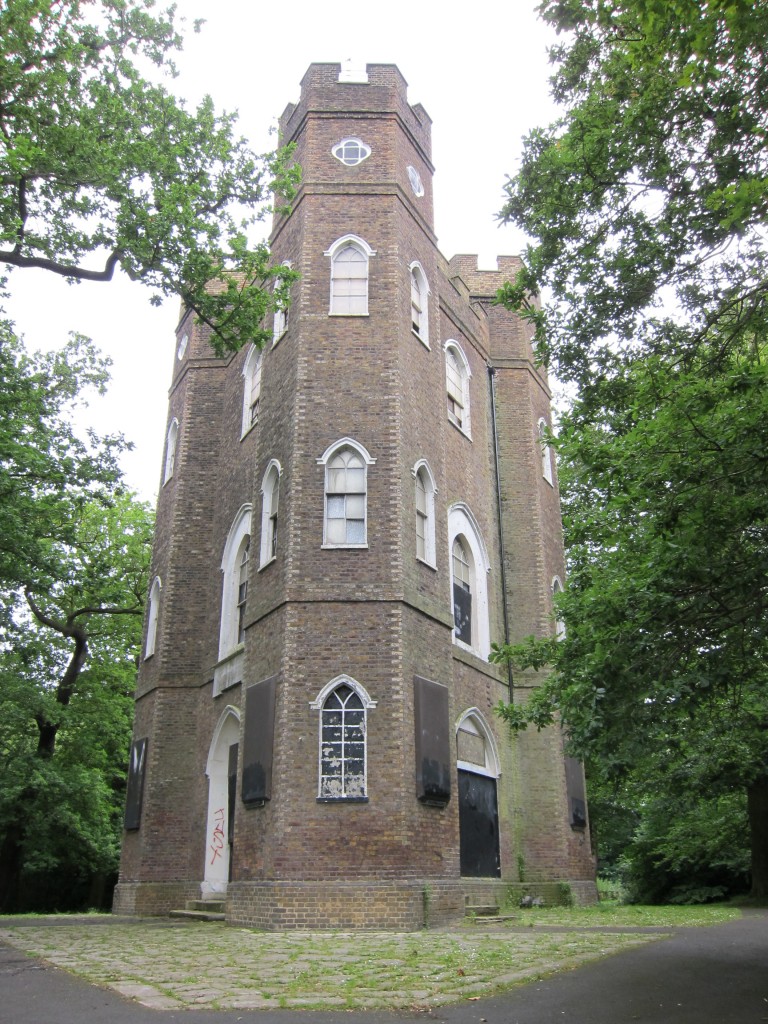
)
(217, 840)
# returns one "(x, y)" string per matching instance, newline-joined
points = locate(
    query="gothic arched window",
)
(343, 705)
(457, 387)
(349, 276)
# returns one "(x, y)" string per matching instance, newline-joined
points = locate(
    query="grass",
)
(610, 914)
(180, 965)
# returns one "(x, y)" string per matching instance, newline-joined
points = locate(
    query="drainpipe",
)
(492, 385)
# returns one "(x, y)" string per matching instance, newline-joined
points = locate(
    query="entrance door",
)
(222, 777)
(478, 826)
(231, 799)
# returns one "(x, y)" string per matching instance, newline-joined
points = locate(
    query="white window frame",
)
(270, 489)
(420, 293)
(325, 460)
(153, 617)
(171, 442)
(239, 535)
(318, 705)
(252, 375)
(338, 301)
(465, 374)
(421, 471)
(339, 151)
(461, 522)
(546, 452)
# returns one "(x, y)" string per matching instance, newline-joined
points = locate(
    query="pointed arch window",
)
(425, 513)
(280, 322)
(234, 567)
(557, 588)
(152, 617)
(252, 388)
(343, 758)
(546, 452)
(457, 377)
(170, 450)
(270, 493)
(469, 581)
(419, 303)
(349, 276)
(346, 495)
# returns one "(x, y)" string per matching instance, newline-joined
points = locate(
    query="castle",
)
(347, 519)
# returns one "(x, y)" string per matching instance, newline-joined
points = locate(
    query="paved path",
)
(716, 975)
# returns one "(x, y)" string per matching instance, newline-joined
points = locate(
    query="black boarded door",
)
(478, 826)
(231, 794)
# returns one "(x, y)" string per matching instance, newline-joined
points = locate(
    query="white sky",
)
(480, 70)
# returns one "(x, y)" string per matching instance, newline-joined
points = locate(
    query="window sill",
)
(461, 430)
(342, 800)
(277, 337)
(423, 341)
(269, 561)
(429, 565)
(249, 430)
(331, 313)
(342, 547)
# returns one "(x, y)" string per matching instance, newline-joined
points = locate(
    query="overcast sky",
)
(479, 69)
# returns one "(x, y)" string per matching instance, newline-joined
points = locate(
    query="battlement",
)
(483, 283)
(378, 88)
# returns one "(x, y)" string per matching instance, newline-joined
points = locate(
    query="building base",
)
(402, 906)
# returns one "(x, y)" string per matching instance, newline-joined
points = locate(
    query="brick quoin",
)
(376, 615)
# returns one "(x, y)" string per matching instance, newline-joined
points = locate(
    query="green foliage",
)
(647, 201)
(102, 166)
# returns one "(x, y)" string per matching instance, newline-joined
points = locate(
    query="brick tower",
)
(347, 519)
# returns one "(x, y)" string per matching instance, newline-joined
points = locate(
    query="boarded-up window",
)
(433, 746)
(136, 772)
(577, 795)
(258, 741)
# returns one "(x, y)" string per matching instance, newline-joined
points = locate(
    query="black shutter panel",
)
(258, 740)
(433, 742)
(136, 772)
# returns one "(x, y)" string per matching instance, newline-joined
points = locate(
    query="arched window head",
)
(234, 598)
(346, 489)
(419, 303)
(457, 377)
(349, 276)
(343, 705)
(546, 452)
(469, 581)
(252, 388)
(170, 450)
(152, 617)
(476, 747)
(270, 492)
(425, 513)
(557, 588)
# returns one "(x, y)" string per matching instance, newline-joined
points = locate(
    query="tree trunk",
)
(757, 809)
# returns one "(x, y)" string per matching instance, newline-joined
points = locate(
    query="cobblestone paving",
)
(175, 966)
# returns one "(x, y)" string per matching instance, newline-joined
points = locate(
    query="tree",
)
(68, 655)
(646, 202)
(102, 167)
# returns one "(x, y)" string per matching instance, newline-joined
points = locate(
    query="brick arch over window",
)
(343, 751)
(469, 589)
(233, 596)
(350, 255)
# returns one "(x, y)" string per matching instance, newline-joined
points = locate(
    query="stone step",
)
(481, 910)
(209, 906)
(197, 915)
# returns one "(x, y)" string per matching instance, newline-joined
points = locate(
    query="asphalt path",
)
(716, 975)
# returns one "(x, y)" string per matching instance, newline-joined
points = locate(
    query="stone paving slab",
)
(213, 966)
